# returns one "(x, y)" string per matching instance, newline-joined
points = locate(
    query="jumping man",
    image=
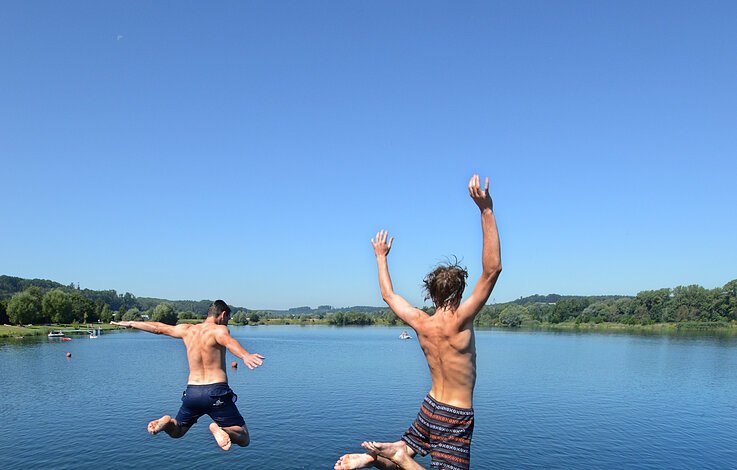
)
(207, 387)
(444, 425)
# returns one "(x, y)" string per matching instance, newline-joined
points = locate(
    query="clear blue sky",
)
(249, 150)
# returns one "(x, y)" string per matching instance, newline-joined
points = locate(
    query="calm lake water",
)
(543, 400)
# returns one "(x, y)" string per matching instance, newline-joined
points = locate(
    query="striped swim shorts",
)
(444, 432)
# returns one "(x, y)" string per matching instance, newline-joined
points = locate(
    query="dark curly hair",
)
(445, 284)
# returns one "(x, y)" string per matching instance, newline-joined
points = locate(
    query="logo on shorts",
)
(218, 403)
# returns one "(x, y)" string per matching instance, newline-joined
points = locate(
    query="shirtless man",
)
(444, 425)
(207, 387)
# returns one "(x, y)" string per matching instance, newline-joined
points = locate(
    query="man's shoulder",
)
(215, 329)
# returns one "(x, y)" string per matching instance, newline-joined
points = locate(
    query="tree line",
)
(43, 302)
(683, 304)
(33, 306)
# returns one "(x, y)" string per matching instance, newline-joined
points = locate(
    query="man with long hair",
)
(444, 425)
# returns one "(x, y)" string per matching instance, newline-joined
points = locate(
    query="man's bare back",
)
(450, 349)
(205, 354)
(444, 425)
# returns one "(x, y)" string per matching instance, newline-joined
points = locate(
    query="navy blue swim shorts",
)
(215, 400)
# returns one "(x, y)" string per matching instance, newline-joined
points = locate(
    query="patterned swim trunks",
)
(444, 432)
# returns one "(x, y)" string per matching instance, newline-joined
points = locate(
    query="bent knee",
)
(177, 433)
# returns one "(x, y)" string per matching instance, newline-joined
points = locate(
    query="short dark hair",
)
(218, 307)
(445, 284)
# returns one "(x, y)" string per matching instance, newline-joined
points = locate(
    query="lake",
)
(543, 400)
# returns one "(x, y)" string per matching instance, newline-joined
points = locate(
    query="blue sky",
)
(250, 150)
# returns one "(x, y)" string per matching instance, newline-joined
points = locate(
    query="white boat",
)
(405, 335)
(56, 334)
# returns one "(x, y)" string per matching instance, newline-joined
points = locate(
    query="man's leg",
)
(353, 461)
(373, 458)
(168, 425)
(398, 453)
(230, 435)
(228, 426)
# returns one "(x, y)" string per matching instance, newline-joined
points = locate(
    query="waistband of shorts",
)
(207, 385)
(436, 403)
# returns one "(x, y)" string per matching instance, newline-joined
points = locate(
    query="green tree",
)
(690, 303)
(729, 300)
(539, 311)
(598, 312)
(513, 316)
(253, 317)
(240, 317)
(186, 315)
(165, 313)
(57, 306)
(24, 307)
(4, 312)
(128, 300)
(390, 318)
(106, 315)
(654, 303)
(83, 309)
(132, 314)
(488, 316)
(623, 311)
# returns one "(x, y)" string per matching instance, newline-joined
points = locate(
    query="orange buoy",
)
(234, 365)
(69, 354)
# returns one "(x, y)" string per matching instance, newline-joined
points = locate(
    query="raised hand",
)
(480, 196)
(381, 247)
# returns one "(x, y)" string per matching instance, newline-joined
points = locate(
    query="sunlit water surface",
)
(543, 400)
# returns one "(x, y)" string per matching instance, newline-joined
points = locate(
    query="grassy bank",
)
(9, 331)
(12, 331)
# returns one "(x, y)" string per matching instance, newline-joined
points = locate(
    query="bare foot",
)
(158, 425)
(353, 461)
(394, 451)
(221, 436)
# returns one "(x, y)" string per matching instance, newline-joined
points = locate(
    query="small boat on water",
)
(56, 334)
(405, 335)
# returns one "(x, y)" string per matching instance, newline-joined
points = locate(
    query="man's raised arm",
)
(491, 258)
(403, 309)
(155, 327)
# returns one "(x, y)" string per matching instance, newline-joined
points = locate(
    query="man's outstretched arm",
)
(157, 328)
(491, 257)
(250, 360)
(403, 309)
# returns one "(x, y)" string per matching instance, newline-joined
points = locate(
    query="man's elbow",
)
(493, 271)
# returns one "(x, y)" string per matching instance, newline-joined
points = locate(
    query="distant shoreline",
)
(10, 331)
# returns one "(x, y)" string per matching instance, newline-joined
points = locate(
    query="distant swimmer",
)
(207, 387)
(444, 425)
